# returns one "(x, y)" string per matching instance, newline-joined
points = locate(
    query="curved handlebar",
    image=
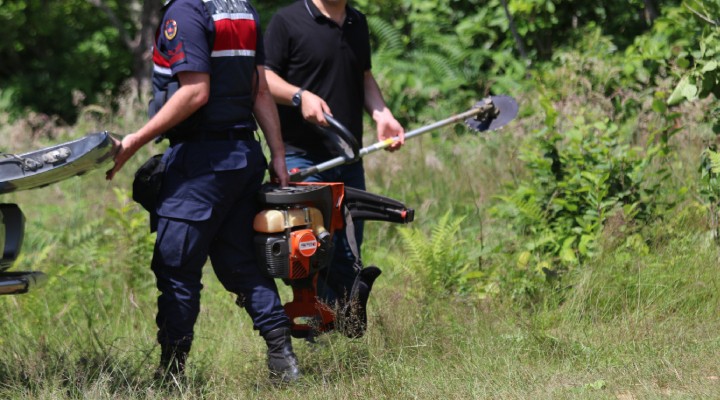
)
(344, 133)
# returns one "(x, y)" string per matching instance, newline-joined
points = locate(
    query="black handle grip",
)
(346, 136)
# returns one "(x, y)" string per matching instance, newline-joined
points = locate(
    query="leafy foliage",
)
(703, 78)
(59, 55)
(709, 189)
(74, 52)
(700, 79)
(577, 180)
(439, 260)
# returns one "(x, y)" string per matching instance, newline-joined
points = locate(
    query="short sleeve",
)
(276, 45)
(367, 62)
(259, 47)
(183, 38)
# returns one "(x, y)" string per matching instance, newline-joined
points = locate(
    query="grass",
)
(466, 353)
(630, 328)
(639, 321)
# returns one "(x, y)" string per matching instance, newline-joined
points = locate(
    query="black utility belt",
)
(234, 134)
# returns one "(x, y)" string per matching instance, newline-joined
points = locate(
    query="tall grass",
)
(637, 321)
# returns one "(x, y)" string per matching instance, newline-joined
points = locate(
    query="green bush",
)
(577, 180)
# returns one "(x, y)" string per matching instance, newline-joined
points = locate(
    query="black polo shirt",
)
(311, 51)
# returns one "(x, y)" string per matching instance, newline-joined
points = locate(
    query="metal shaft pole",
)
(337, 161)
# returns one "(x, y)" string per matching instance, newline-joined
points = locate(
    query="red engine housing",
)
(294, 240)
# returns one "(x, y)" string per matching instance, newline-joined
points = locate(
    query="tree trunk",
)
(651, 11)
(142, 53)
(513, 29)
(140, 45)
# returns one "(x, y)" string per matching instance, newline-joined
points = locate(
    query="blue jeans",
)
(336, 281)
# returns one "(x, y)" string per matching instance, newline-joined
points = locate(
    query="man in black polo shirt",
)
(318, 61)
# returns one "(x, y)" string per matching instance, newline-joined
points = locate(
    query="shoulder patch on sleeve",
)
(170, 29)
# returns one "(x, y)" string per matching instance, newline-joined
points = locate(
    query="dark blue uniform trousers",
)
(336, 281)
(206, 208)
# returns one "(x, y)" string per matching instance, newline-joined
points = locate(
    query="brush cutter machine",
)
(297, 223)
(294, 242)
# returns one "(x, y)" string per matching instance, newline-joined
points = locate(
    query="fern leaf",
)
(714, 161)
(387, 35)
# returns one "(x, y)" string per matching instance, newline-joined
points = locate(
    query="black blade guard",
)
(497, 111)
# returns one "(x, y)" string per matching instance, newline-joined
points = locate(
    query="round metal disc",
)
(506, 109)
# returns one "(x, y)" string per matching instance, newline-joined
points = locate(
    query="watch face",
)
(297, 99)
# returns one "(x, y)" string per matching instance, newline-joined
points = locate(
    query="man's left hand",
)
(279, 172)
(124, 150)
(388, 127)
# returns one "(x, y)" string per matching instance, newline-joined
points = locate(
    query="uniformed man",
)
(209, 89)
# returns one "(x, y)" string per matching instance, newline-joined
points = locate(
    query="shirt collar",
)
(316, 14)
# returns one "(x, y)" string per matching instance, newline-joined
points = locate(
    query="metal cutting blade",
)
(500, 111)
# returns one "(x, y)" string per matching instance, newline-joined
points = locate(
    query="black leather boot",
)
(172, 362)
(281, 360)
(354, 313)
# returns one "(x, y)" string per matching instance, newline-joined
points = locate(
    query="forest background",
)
(573, 254)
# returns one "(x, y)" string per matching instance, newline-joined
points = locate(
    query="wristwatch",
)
(297, 98)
